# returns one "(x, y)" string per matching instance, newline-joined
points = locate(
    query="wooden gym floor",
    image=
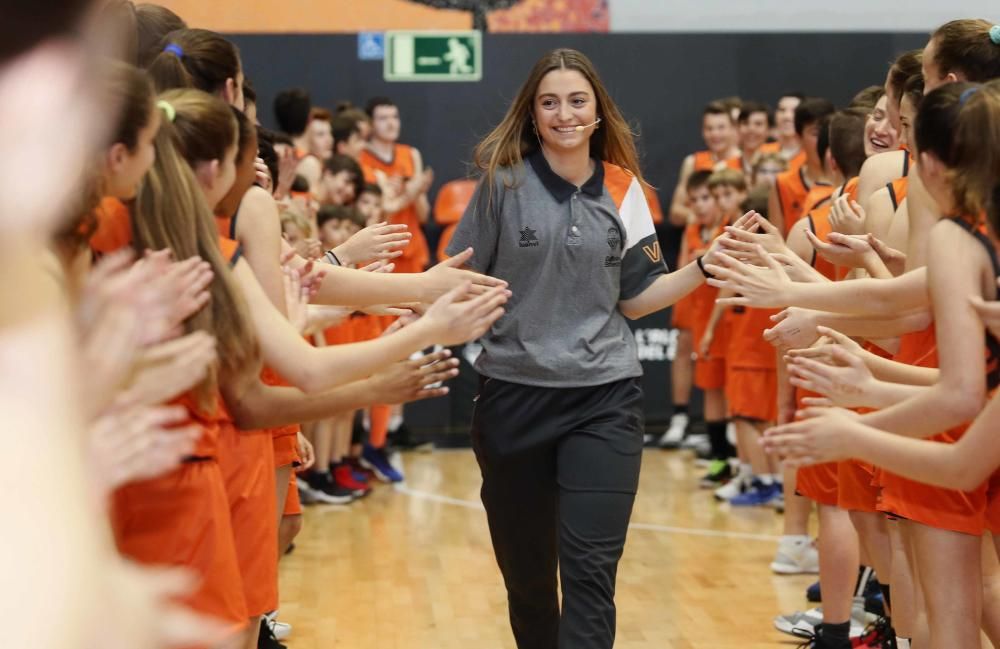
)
(412, 567)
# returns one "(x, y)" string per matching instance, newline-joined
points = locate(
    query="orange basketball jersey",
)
(416, 255)
(706, 161)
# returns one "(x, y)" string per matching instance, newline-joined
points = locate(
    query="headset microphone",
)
(579, 129)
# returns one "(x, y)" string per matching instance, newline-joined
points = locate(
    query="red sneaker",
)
(342, 476)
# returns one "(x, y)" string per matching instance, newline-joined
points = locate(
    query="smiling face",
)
(718, 132)
(753, 132)
(563, 101)
(784, 116)
(880, 135)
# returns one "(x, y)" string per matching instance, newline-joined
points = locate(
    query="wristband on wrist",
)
(701, 267)
(332, 258)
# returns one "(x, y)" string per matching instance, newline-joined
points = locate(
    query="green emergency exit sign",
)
(433, 56)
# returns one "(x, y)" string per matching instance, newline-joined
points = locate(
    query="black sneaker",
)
(325, 490)
(719, 473)
(402, 439)
(266, 639)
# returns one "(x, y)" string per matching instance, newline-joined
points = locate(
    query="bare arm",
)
(258, 229)
(350, 287)
(311, 169)
(877, 171)
(831, 435)
(663, 292)
(315, 369)
(955, 271)
(256, 405)
(774, 212)
(879, 213)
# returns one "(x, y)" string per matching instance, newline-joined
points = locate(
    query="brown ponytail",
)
(171, 212)
(195, 58)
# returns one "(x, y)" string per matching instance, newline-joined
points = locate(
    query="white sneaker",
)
(675, 432)
(795, 557)
(281, 630)
(697, 442)
(803, 623)
(735, 487)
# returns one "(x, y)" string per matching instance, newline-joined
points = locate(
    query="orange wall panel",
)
(279, 16)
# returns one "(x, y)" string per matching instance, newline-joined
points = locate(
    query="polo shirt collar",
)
(560, 188)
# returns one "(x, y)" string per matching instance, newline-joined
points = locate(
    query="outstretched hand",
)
(410, 380)
(457, 317)
(821, 435)
(753, 285)
(449, 274)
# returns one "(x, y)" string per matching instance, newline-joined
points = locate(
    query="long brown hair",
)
(975, 160)
(171, 212)
(514, 138)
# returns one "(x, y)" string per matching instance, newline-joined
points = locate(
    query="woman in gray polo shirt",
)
(560, 215)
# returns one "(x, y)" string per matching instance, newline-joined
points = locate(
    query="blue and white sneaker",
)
(757, 495)
(376, 460)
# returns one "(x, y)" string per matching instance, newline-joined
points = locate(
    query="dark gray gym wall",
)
(660, 81)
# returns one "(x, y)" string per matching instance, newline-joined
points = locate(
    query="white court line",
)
(646, 527)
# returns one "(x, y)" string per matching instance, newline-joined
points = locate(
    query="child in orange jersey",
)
(788, 199)
(400, 171)
(706, 214)
(754, 124)
(751, 392)
(718, 128)
(729, 190)
(788, 141)
(337, 225)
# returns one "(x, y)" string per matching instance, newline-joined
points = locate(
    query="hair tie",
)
(167, 108)
(968, 92)
(995, 34)
(174, 49)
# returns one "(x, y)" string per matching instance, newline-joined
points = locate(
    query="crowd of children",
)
(849, 342)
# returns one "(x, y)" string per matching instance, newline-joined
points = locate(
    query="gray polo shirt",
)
(569, 254)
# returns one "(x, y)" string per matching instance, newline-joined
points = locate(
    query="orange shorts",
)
(752, 393)
(943, 509)
(993, 504)
(857, 490)
(710, 371)
(285, 442)
(182, 519)
(818, 483)
(682, 314)
(247, 462)
(293, 506)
